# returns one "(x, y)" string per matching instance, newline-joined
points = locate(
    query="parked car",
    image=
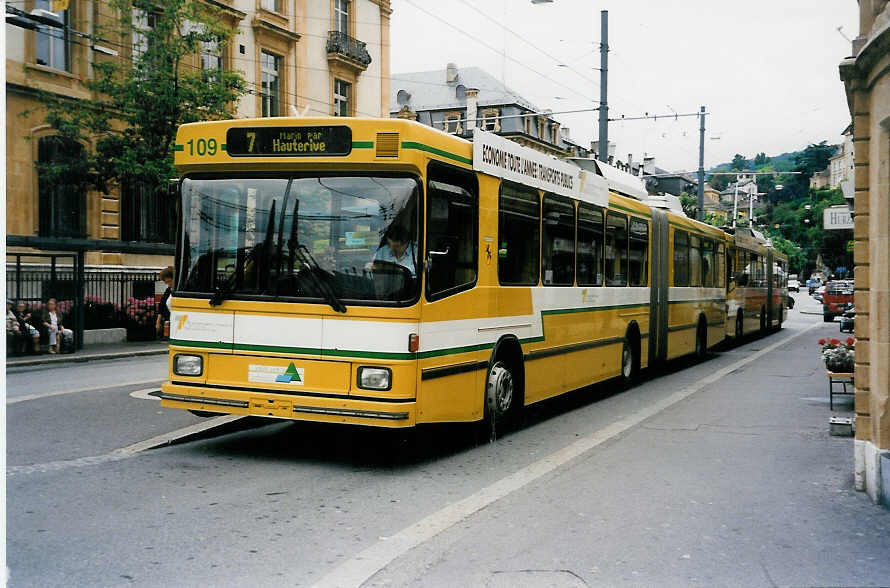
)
(848, 319)
(838, 294)
(793, 286)
(819, 291)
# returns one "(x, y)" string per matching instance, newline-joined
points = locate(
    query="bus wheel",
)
(499, 397)
(204, 414)
(739, 326)
(701, 340)
(630, 363)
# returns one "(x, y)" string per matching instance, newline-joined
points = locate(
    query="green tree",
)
(738, 162)
(761, 159)
(689, 204)
(142, 101)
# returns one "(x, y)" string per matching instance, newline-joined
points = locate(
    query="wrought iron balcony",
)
(342, 46)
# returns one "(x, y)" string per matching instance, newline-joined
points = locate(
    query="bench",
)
(837, 384)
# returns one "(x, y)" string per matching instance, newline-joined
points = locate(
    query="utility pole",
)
(735, 202)
(604, 76)
(700, 212)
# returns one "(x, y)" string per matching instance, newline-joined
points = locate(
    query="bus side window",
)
(707, 263)
(616, 249)
(558, 241)
(519, 235)
(695, 261)
(451, 231)
(590, 245)
(639, 252)
(681, 258)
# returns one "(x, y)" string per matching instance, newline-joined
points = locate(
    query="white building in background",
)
(315, 57)
(841, 164)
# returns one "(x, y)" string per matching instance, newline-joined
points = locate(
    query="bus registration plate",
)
(271, 407)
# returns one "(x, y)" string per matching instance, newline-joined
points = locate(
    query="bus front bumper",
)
(392, 413)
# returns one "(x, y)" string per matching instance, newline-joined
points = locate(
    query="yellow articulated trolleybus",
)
(381, 272)
(758, 284)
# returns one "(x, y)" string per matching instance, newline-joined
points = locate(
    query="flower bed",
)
(839, 356)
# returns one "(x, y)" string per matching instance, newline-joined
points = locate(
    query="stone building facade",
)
(312, 57)
(866, 77)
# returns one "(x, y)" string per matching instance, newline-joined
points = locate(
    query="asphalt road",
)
(720, 473)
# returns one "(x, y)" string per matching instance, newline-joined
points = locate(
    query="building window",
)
(52, 45)
(341, 98)
(61, 207)
(211, 58)
(147, 215)
(527, 125)
(143, 22)
(452, 123)
(271, 5)
(270, 89)
(490, 120)
(341, 16)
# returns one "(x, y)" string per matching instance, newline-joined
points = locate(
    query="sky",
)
(767, 71)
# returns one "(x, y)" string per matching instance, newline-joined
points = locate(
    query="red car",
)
(837, 295)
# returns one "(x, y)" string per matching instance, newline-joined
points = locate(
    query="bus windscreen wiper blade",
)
(320, 277)
(228, 286)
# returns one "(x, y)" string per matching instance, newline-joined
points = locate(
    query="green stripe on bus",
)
(363, 144)
(202, 344)
(179, 147)
(433, 150)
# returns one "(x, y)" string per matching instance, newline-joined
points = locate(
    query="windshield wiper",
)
(320, 277)
(228, 286)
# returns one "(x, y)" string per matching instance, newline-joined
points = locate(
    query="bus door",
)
(658, 289)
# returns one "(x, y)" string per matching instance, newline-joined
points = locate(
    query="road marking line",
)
(146, 394)
(17, 399)
(125, 452)
(364, 565)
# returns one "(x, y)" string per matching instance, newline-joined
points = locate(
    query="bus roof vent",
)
(387, 144)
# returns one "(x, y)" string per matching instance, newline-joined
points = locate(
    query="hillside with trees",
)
(789, 212)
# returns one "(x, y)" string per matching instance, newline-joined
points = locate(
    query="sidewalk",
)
(92, 353)
(806, 304)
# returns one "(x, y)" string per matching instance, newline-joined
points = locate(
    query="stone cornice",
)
(876, 48)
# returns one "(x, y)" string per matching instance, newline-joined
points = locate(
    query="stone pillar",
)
(472, 109)
(867, 80)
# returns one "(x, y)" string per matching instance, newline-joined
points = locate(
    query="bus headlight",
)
(188, 365)
(374, 378)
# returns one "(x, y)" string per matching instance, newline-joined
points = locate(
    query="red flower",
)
(835, 341)
(851, 341)
(821, 341)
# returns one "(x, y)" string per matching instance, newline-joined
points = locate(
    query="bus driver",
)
(398, 248)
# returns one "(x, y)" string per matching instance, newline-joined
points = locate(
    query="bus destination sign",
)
(289, 141)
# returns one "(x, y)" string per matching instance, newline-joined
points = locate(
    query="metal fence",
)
(97, 299)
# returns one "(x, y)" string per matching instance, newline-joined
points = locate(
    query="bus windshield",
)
(355, 238)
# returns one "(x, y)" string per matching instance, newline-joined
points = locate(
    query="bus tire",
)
(204, 413)
(630, 358)
(739, 326)
(500, 398)
(701, 339)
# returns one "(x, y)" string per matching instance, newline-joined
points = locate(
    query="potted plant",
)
(839, 356)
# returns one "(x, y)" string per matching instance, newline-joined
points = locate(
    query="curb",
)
(74, 358)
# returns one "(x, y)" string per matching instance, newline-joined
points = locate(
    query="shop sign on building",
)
(837, 217)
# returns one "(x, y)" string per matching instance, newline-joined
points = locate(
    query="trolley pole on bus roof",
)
(604, 71)
(700, 210)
